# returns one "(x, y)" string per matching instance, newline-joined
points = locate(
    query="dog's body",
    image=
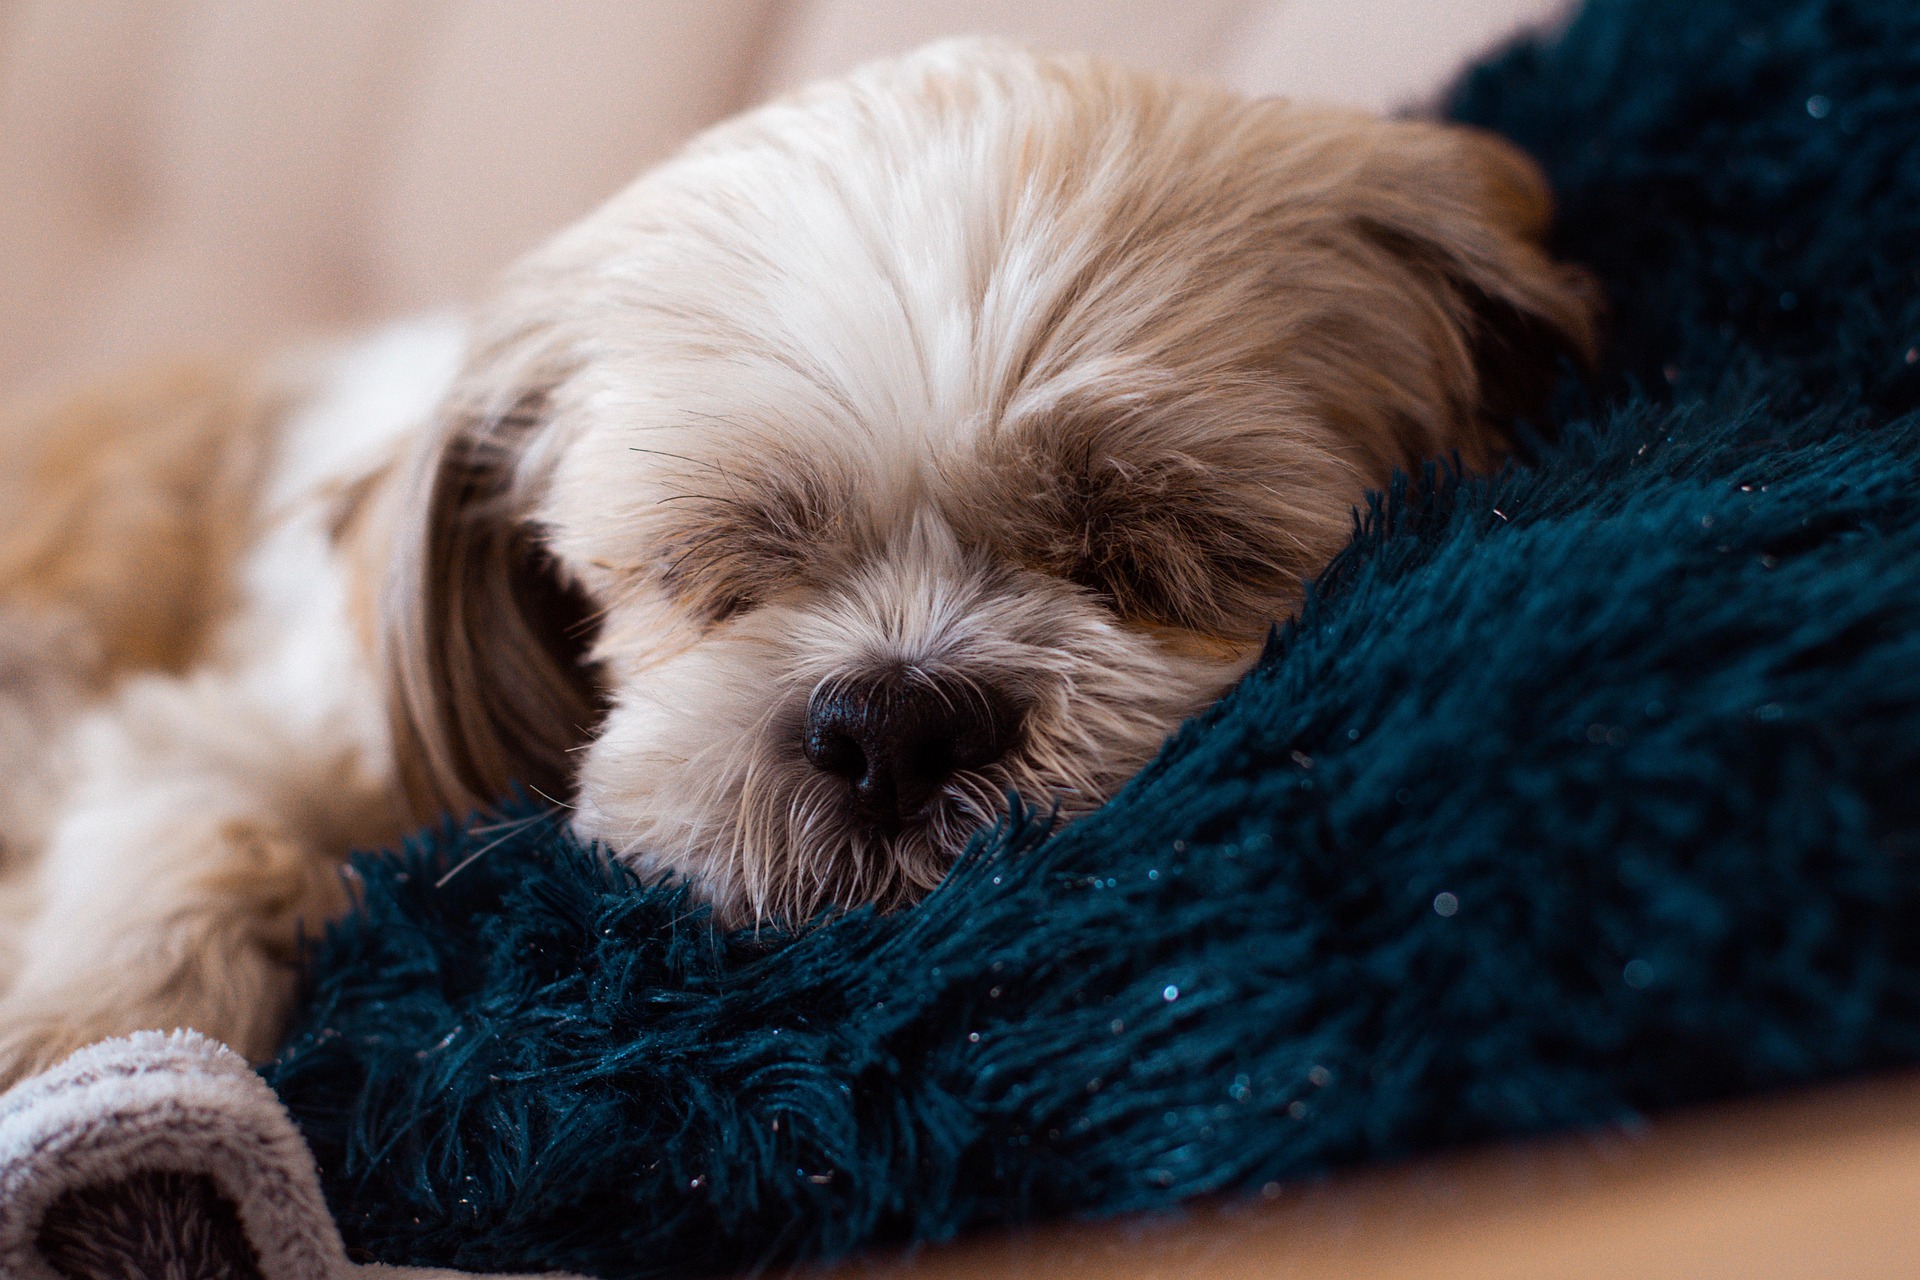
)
(951, 430)
(188, 704)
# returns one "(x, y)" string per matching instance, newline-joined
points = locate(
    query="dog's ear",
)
(1469, 213)
(485, 642)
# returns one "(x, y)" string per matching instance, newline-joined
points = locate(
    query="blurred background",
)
(181, 175)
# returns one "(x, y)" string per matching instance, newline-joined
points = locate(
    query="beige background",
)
(180, 174)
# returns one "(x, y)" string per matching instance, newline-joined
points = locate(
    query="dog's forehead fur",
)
(1020, 292)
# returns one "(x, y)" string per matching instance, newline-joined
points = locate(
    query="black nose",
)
(897, 737)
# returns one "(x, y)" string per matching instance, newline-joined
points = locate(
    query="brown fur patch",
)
(277, 880)
(129, 507)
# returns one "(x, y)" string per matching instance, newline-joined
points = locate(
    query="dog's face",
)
(948, 431)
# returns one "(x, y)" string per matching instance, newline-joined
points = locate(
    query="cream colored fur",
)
(1023, 376)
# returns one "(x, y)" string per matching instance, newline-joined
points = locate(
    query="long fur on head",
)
(1028, 377)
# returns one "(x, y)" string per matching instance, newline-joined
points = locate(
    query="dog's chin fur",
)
(1026, 373)
(1026, 380)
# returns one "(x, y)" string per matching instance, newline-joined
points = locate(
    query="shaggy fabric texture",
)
(1574, 794)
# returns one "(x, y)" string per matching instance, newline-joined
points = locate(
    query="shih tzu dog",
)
(942, 433)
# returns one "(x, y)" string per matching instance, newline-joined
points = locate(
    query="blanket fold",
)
(79, 1144)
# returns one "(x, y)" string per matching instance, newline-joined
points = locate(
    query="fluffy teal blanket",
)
(1574, 794)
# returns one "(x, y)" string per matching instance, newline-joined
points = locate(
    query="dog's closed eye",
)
(1200, 538)
(1159, 540)
(740, 534)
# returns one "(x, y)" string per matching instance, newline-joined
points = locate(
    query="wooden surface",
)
(1817, 1186)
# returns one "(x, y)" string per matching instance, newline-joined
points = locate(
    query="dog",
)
(944, 433)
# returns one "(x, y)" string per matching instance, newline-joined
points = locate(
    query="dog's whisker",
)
(479, 853)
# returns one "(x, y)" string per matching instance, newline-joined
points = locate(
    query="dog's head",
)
(950, 430)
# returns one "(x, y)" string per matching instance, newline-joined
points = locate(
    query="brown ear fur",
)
(484, 641)
(1471, 211)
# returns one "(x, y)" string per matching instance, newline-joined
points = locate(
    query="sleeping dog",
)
(939, 434)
